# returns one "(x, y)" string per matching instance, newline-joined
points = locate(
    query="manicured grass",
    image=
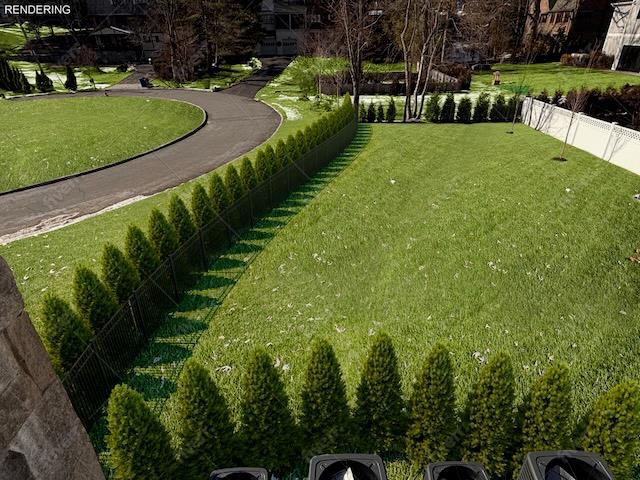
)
(83, 133)
(11, 38)
(550, 76)
(225, 77)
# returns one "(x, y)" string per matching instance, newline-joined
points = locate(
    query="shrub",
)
(448, 113)
(70, 83)
(94, 302)
(272, 161)
(362, 113)
(433, 110)
(513, 107)
(380, 113)
(371, 113)
(556, 97)
(498, 111)
(118, 274)
(464, 110)
(204, 430)
(161, 234)
(64, 334)
(613, 428)
(266, 426)
(201, 207)
(543, 96)
(432, 416)
(546, 414)
(292, 149)
(139, 446)
(324, 419)
(262, 167)
(309, 138)
(301, 142)
(233, 183)
(140, 252)
(488, 419)
(481, 112)
(281, 155)
(218, 194)
(247, 175)
(378, 416)
(391, 111)
(180, 219)
(43, 83)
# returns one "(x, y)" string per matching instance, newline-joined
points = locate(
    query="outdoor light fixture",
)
(240, 473)
(564, 465)
(455, 471)
(347, 467)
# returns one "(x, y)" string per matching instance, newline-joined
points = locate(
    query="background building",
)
(623, 37)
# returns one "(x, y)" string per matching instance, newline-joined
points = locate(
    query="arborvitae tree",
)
(161, 234)
(380, 113)
(324, 419)
(613, 428)
(448, 113)
(43, 82)
(25, 86)
(362, 113)
(556, 97)
(71, 83)
(201, 207)
(292, 149)
(379, 418)
(433, 110)
(204, 430)
(180, 219)
(263, 172)
(498, 111)
(94, 302)
(281, 154)
(140, 252)
(233, 183)
(247, 175)
(432, 414)
(218, 194)
(464, 110)
(371, 113)
(545, 414)
(543, 96)
(139, 446)
(489, 416)
(64, 334)
(309, 138)
(481, 112)
(118, 274)
(270, 157)
(267, 430)
(391, 111)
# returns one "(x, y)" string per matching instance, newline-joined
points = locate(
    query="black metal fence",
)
(112, 351)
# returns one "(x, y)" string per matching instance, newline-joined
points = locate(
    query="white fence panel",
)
(609, 141)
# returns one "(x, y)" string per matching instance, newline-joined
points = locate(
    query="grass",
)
(12, 38)
(83, 133)
(550, 76)
(225, 77)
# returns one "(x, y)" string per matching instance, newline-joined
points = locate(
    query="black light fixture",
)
(564, 465)
(347, 467)
(240, 473)
(455, 471)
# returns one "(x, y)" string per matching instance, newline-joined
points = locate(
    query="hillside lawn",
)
(83, 133)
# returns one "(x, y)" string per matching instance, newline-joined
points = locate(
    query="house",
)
(623, 38)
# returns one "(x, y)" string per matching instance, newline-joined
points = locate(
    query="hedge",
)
(140, 252)
(94, 303)
(118, 274)
(181, 219)
(161, 234)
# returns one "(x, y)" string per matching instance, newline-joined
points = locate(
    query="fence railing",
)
(112, 351)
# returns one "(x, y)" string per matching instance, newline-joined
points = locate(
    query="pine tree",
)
(281, 155)
(180, 219)
(391, 111)
(481, 112)
(247, 175)
(266, 426)
(371, 113)
(233, 183)
(489, 416)
(139, 446)
(324, 420)
(64, 334)
(545, 414)
(379, 417)
(118, 274)
(70, 83)
(380, 113)
(432, 415)
(362, 113)
(292, 149)
(94, 302)
(262, 168)
(140, 252)
(201, 207)
(613, 428)
(161, 234)
(448, 113)
(218, 194)
(498, 111)
(204, 429)
(433, 110)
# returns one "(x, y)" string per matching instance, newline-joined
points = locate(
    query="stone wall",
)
(41, 437)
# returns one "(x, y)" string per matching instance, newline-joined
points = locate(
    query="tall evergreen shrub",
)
(180, 219)
(161, 234)
(218, 194)
(201, 206)
(94, 303)
(448, 113)
(118, 274)
(140, 252)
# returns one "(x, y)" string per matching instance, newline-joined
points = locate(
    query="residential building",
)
(623, 38)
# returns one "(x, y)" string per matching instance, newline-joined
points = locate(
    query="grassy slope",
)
(225, 77)
(83, 133)
(46, 262)
(459, 234)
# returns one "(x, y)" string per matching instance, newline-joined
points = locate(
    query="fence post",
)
(174, 280)
(612, 129)
(137, 314)
(203, 251)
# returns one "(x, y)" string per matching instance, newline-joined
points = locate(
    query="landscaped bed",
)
(83, 133)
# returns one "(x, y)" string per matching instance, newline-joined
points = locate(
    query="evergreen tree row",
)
(97, 297)
(425, 428)
(500, 110)
(371, 113)
(12, 79)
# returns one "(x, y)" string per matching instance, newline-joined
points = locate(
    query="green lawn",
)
(550, 76)
(83, 133)
(225, 77)
(12, 38)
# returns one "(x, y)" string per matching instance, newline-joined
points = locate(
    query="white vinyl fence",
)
(609, 141)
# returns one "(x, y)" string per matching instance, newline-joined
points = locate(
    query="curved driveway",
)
(236, 124)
